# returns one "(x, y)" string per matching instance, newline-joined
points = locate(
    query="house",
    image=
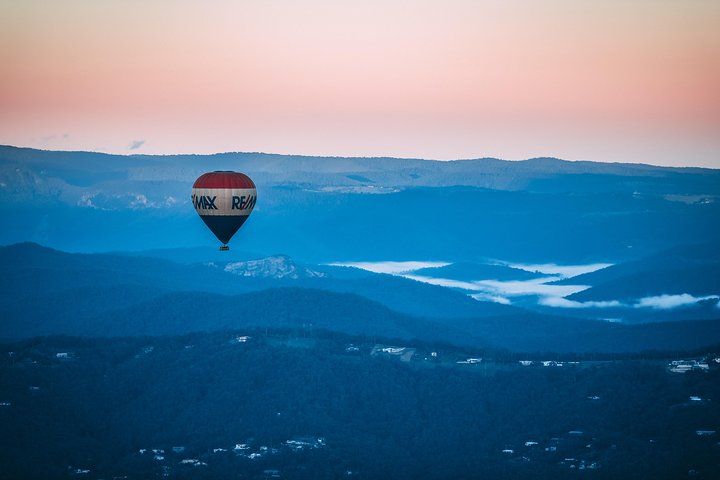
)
(552, 363)
(392, 350)
(299, 443)
(704, 433)
(508, 451)
(683, 366)
(405, 353)
(470, 361)
(680, 368)
(530, 444)
(296, 445)
(526, 363)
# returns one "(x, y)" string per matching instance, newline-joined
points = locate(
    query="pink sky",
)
(610, 80)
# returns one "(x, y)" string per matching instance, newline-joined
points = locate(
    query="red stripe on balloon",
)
(223, 180)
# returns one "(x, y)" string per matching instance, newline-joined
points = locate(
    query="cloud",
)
(492, 290)
(87, 200)
(665, 302)
(59, 140)
(491, 298)
(660, 302)
(133, 201)
(482, 295)
(140, 201)
(537, 286)
(547, 295)
(504, 289)
(559, 302)
(135, 144)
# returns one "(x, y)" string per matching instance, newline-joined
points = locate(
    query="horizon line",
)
(379, 157)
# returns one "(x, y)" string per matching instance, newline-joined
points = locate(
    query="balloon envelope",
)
(224, 200)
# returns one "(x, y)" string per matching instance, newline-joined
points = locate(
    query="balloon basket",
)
(224, 248)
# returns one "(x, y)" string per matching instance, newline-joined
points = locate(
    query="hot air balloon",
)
(224, 200)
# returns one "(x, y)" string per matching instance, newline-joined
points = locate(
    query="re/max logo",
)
(206, 202)
(244, 202)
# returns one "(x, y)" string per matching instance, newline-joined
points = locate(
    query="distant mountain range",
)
(83, 169)
(349, 209)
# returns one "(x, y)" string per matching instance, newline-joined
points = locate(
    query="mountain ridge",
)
(23, 152)
(100, 202)
(94, 306)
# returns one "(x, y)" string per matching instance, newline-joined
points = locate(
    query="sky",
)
(605, 80)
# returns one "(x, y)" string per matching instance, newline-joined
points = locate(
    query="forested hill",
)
(39, 273)
(54, 292)
(258, 404)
